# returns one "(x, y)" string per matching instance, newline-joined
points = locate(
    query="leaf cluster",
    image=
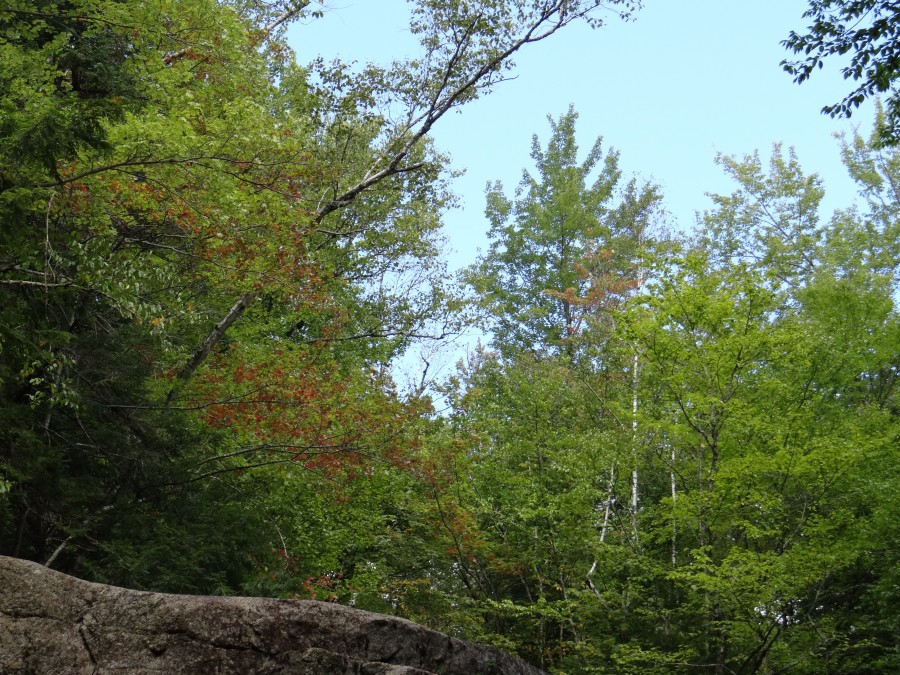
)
(868, 30)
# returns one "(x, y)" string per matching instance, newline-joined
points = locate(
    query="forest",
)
(675, 452)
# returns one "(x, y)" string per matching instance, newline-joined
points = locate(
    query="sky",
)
(669, 90)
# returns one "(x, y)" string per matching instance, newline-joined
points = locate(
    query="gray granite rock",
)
(54, 623)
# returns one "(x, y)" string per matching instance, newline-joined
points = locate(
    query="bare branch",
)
(59, 549)
(379, 335)
(202, 352)
(24, 282)
(538, 31)
(293, 449)
(111, 167)
(287, 15)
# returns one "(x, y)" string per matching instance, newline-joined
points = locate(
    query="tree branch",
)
(440, 106)
(542, 27)
(266, 32)
(287, 15)
(202, 352)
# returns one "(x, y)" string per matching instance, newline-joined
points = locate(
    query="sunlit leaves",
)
(867, 30)
(539, 240)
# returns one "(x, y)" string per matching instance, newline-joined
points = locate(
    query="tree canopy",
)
(210, 255)
(869, 32)
(675, 452)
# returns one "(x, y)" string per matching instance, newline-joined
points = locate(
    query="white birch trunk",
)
(609, 497)
(674, 525)
(635, 382)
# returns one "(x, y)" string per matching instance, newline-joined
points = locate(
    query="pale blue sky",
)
(669, 90)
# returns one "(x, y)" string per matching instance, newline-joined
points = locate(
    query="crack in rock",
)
(87, 647)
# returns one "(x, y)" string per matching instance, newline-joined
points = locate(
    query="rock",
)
(54, 623)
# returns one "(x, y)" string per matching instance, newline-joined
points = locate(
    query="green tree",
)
(869, 30)
(771, 221)
(764, 438)
(123, 225)
(763, 397)
(530, 508)
(536, 460)
(209, 256)
(536, 272)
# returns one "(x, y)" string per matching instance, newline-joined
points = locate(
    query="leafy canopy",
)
(868, 30)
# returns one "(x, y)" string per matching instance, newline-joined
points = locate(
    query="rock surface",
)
(54, 623)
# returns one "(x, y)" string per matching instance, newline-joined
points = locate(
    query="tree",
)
(771, 221)
(538, 423)
(765, 438)
(135, 169)
(210, 256)
(768, 507)
(870, 29)
(520, 480)
(535, 274)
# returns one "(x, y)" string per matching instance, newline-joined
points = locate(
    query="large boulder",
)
(54, 623)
